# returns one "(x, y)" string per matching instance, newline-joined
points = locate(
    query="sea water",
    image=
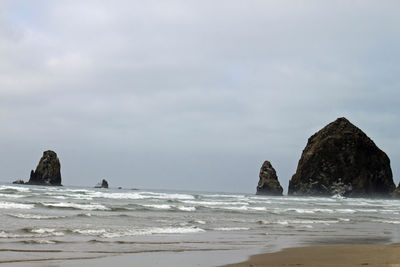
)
(68, 225)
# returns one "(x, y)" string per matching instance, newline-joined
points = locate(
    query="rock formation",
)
(342, 159)
(48, 170)
(104, 184)
(18, 182)
(396, 192)
(268, 183)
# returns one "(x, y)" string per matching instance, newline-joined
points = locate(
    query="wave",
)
(137, 232)
(11, 196)
(231, 229)
(388, 221)
(14, 188)
(12, 205)
(70, 205)
(298, 222)
(139, 195)
(169, 207)
(214, 203)
(240, 208)
(46, 232)
(32, 233)
(34, 216)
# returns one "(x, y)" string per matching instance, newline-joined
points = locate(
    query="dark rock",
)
(104, 184)
(19, 182)
(342, 159)
(48, 171)
(268, 183)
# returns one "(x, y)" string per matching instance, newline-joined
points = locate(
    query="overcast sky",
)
(191, 94)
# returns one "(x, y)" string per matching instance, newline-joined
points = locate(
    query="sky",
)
(191, 95)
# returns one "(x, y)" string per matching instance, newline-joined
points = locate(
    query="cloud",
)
(191, 95)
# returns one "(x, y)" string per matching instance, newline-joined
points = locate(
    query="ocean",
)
(68, 226)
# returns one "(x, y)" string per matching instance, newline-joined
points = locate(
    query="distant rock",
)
(104, 184)
(268, 183)
(342, 159)
(396, 192)
(18, 182)
(48, 171)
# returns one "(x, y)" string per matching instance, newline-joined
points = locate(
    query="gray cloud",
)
(191, 94)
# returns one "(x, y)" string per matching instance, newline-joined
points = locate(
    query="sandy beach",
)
(319, 256)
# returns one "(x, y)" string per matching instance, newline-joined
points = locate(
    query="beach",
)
(320, 256)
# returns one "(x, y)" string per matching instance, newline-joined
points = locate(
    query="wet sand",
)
(320, 256)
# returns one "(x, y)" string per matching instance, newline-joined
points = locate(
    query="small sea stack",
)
(396, 192)
(103, 184)
(342, 159)
(48, 171)
(268, 183)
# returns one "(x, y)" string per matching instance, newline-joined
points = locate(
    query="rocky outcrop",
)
(396, 192)
(104, 184)
(48, 171)
(268, 183)
(342, 159)
(18, 182)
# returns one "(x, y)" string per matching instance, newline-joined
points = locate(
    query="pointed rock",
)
(48, 171)
(342, 159)
(268, 183)
(103, 184)
(396, 192)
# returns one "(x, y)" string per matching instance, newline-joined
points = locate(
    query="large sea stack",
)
(268, 183)
(342, 159)
(48, 171)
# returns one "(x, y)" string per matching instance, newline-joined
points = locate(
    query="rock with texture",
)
(48, 171)
(268, 183)
(342, 159)
(19, 182)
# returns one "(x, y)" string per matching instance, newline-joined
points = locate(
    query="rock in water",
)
(268, 183)
(48, 171)
(104, 184)
(342, 159)
(396, 193)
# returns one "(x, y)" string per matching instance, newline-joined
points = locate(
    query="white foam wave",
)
(140, 195)
(238, 208)
(225, 196)
(34, 216)
(92, 206)
(301, 211)
(10, 205)
(215, 203)
(388, 221)
(90, 231)
(231, 229)
(349, 211)
(299, 222)
(47, 231)
(16, 188)
(160, 206)
(183, 208)
(4, 234)
(136, 232)
(11, 196)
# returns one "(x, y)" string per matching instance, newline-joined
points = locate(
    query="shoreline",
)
(327, 255)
